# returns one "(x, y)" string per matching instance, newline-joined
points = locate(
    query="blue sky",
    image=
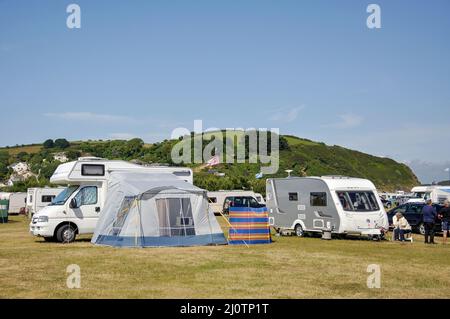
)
(309, 68)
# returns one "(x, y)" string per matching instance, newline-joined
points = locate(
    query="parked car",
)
(413, 214)
(240, 201)
(387, 203)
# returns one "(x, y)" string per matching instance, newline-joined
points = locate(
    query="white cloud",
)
(89, 116)
(348, 120)
(286, 115)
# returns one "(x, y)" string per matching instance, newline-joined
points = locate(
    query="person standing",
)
(445, 218)
(429, 219)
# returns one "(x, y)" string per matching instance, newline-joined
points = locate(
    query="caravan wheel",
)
(299, 232)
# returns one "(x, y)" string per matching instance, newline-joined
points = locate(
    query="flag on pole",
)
(215, 160)
(259, 175)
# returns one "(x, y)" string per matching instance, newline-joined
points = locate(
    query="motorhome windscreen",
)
(358, 201)
(64, 195)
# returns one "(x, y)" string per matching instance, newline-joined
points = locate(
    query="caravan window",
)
(318, 199)
(92, 170)
(293, 196)
(87, 196)
(47, 198)
(358, 201)
(212, 199)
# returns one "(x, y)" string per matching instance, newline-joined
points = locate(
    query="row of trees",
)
(60, 143)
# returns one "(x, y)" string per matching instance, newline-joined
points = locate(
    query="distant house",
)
(21, 172)
(62, 157)
(20, 168)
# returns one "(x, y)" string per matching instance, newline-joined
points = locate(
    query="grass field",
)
(289, 268)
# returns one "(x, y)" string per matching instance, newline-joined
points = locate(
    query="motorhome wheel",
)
(66, 234)
(299, 231)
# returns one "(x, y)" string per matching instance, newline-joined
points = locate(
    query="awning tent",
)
(153, 210)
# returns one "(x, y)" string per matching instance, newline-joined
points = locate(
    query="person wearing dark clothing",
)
(444, 214)
(429, 220)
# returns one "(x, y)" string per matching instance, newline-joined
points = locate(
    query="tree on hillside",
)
(49, 144)
(61, 143)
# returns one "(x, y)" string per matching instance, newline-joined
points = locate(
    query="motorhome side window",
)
(87, 196)
(92, 170)
(318, 199)
(47, 198)
(293, 196)
(358, 201)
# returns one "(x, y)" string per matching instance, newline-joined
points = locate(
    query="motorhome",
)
(17, 203)
(77, 208)
(438, 194)
(38, 198)
(218, 199)
(342, 205)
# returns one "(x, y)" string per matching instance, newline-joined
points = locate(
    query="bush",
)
(61, 143)
(49, 144)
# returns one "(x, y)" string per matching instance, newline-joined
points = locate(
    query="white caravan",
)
(343, 205)
(438, 194)
(17, 203)
(217, 199)
(38, 198)
(76, 210)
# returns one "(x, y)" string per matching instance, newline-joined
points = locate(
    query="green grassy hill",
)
(304, 157)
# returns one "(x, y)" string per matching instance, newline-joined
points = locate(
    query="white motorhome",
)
(217, 199)
(17, 203)
(38, 198)
(76, 209)
(343, 205)
(438, 194)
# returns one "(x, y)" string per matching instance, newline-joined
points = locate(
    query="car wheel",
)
(66, 234)
(421, 229)
(299, 232)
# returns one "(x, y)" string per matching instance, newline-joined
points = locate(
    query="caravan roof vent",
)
(90, 158)
(336, 177)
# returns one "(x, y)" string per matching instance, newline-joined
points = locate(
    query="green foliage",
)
(48, 144)
(304, 157)
(61, 143)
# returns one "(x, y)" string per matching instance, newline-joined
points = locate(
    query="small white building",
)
(62, 157)
(20, 168)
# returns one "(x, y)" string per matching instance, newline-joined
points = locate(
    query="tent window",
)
(175, 217)
(122, 215)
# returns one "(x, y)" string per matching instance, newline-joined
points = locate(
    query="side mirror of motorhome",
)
(73, 203)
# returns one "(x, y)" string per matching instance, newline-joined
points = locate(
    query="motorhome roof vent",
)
(90, 158)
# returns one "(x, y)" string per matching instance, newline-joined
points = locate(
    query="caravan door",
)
(87, 209)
